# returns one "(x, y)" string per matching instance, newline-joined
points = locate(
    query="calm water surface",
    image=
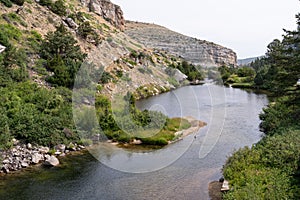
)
(179, 171)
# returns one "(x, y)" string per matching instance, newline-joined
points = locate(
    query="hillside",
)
(247, 61)
(199, 52)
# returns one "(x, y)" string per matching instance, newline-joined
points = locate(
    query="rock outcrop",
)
(109, 11)
(199, 52)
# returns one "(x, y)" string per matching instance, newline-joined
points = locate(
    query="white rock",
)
(44, 149)
(36, 158)
(51, 161)
(24, 164)
(29, 146)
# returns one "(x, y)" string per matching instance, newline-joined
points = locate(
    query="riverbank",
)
(22, 156)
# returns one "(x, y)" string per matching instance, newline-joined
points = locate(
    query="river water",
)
(179, 171)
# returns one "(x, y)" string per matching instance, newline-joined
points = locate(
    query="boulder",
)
(71, 23)
(29, 146)
(36, 158)
(60, 147)
(44, 150)
(109, 11)
(24, 164)
(51, 161)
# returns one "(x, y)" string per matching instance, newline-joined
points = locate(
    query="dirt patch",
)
(214, 190)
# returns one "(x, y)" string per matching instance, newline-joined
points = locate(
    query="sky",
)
(245, 26)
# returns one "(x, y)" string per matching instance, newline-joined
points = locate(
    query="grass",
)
(242, 85)
(161, 138)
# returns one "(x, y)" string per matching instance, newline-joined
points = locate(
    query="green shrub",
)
(7, 3)
(10, 31)
(59, 8)
(18, 2)
(46, 3)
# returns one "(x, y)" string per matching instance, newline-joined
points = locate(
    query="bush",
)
(18, 2)
(59, 8)
(45, 3)
(7, 3)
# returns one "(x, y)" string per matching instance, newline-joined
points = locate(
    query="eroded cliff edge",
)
(199, 52)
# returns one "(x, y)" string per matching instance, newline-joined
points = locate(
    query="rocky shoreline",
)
(21, 156)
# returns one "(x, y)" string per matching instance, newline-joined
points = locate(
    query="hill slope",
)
(199, 52)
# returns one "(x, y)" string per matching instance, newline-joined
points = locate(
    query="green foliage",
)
(35, 115)
(267, 171)
(85, 30)
(142, 123)
(59, 8)
(7, 3)
(46, 3)
(18, 2)
(63, 56)
(10, 31)
(246, 72)
(173, 81)
(13, 61)
(193, 72)
(271, 168)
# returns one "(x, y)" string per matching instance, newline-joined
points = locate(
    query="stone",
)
(36, 158)
(179, 76)
(6, 161)
(136, 142)
(29, 146)
(24, 164)
(44, 150)
(51, 161)
(109, 11)
(71, 23)
(60, 147)
(15, 142)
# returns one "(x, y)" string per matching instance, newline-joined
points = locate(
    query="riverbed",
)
(179, 171)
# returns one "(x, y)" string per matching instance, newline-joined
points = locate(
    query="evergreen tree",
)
(63, 56)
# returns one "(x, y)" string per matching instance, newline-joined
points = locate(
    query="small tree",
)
(59, 8)
(63, 56)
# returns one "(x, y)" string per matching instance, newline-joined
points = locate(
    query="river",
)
(179, 171)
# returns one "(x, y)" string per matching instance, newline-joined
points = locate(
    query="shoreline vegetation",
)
(22, 156)
(179, 134)
(269, 169)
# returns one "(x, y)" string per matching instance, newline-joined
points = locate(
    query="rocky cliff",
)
(109, 11)
(198, 52)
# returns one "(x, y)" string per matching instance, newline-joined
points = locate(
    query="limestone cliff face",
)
(198, 52)
(109, 11)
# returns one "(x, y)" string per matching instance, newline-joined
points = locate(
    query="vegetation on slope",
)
(41, 113)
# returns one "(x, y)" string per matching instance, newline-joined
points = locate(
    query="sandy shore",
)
(195, 126)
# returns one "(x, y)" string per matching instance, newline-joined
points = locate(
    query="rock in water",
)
(51, 161)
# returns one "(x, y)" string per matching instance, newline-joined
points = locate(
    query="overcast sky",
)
(245, 26)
